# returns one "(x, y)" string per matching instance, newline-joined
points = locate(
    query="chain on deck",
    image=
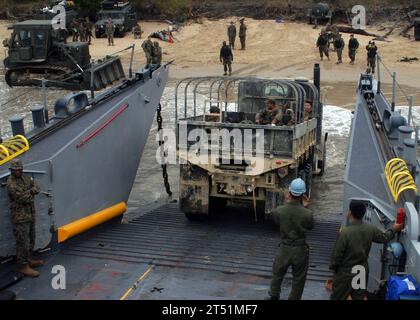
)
(164, 237)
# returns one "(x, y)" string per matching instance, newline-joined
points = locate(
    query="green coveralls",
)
(352, 249)
(294, 220)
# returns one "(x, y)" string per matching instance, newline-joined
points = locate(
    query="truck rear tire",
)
(217, 205)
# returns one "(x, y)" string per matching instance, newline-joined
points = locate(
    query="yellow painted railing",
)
(12, 148)
(76, 227)
(399, 177)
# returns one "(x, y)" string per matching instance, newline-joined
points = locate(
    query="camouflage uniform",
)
(137, 32)
(21, 193)
(339, 47)
(109, 30)
(75, 30)
(269, 117)
(231, 35)
(351, 249)
(371, 57)
(82, 32)
(147, 48)
(322, 44)
(89, 32)
(353, 46)
(294, 220)
(156, 53)
(226, 57)
(242, 34)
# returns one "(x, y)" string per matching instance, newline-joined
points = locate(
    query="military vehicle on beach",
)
(320, 12)
(225, 155)
(36, 51)
(123, 15)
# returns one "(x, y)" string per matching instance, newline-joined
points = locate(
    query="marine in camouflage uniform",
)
(82, 31)
(21, 190)
(156, 53)
(226, 57)
(353, 46)
(137, 31)
(242, 34)
(322, 44)
(231, 32)
(270, 115)
(89, 30)
(352, 249)
(372, 51)
(109, 30)
(294, 219)
(307, 111)
(75, 30)
(147, 46)
(339, 47)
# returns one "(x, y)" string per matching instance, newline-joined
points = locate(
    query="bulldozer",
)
(38, 53)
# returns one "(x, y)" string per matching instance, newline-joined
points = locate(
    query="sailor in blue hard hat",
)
(294, 219)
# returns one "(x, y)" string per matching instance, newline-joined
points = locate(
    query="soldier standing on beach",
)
(339, 47)
(226, 57)
(242, 33)
(89, 30)
(232, 34)
(147, 46)
(353, 46)
(322, 44)
(109, 30)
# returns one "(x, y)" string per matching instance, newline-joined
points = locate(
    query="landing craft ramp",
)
(230, 257)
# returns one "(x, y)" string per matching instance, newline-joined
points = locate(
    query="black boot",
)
(270, 297)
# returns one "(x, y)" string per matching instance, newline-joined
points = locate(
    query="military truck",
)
(224, 155)
(319, 12)
(37, 51)
(123, 15)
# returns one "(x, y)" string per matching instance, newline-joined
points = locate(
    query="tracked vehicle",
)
(226, 156)
(36, 51)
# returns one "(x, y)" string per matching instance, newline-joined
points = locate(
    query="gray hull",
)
(376, 138)
(89, 163)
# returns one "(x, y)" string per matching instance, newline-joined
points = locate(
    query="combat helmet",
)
(16, 164)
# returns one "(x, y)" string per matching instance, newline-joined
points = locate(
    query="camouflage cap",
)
(16, 165)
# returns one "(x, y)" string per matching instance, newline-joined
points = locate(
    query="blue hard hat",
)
(396, 248)
(297, 187)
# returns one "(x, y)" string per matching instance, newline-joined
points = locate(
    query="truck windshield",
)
(275, 91)
(112, 15)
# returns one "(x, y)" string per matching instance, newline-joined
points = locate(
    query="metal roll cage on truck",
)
(289, 151)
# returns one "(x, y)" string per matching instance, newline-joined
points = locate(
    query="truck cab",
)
(226, 156)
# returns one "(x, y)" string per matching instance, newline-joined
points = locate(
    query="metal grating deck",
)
(227, 243)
